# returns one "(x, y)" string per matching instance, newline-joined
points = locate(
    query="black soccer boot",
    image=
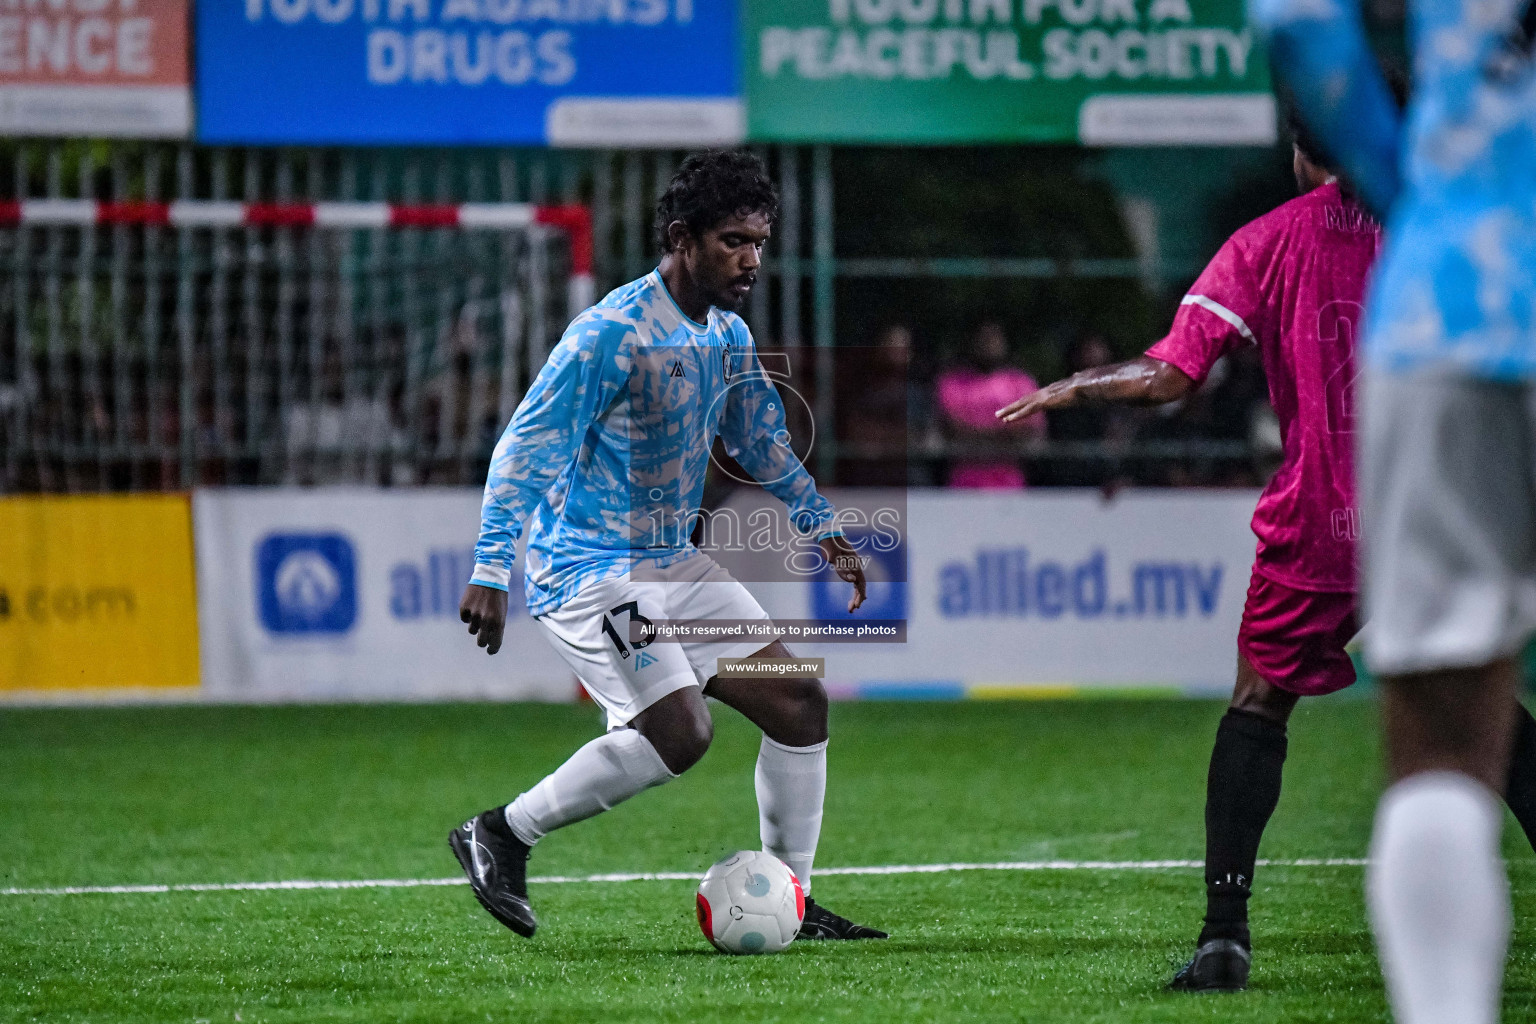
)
(1220, 965)
(821, 923)
(496, 862)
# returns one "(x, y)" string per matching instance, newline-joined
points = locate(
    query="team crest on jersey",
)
(725, 363)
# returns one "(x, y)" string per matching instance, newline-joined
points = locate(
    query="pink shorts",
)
(1295, 638)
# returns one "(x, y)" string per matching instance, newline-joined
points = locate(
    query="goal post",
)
(157, 345)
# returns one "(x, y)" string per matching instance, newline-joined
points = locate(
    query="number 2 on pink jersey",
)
(1336, 321)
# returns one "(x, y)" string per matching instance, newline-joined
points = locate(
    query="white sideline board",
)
(352, 594)
(1047, 588)
(311, 594)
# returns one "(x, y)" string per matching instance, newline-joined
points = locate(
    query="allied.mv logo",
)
(306, 583)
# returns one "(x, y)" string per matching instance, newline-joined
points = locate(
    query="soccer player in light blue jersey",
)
(1447, 461)
(604, 465)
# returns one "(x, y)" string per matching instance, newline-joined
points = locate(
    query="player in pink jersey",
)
(1291, 283)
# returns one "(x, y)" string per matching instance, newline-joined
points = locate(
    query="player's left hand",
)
(485, 609)
(847, 564)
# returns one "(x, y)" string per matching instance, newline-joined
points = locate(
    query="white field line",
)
(669, 876)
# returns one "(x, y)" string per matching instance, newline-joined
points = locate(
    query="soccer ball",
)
(750, 902)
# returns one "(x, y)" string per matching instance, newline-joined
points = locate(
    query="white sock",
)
(1439, 899)
(602, 774)
(791, 784)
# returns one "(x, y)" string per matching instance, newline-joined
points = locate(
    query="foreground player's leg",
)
(1520, 791)
(791, 778)
(1438, 894)
(1446, 484)
(1242, 790)
(664, 741)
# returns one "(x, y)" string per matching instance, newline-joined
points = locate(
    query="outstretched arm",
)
(1143, 381)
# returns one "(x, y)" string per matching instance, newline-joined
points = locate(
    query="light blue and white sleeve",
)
(756, 435)
(587, 371)
(1321, 54)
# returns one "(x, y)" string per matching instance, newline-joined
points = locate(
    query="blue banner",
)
(454, 72)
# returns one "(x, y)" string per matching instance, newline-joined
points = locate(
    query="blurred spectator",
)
(1230, 406)
(968, 398)
(881, 408)
(325, 439)
(1086, 424)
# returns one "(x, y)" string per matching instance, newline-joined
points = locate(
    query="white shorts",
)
(1448, 492)
(626, 678)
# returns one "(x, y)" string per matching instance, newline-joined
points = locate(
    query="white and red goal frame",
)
(134, 362)
(573, 220)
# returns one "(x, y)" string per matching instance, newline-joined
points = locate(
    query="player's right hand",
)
(1051, 396)
(485, 609)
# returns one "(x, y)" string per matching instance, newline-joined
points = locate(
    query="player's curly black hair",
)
(710, 187)
(1302, 137)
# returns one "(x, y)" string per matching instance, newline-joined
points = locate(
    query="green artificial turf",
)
(178, 795)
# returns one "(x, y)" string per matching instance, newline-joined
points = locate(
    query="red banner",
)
(94, 67)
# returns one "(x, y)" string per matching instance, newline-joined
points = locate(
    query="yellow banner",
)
(97, 592)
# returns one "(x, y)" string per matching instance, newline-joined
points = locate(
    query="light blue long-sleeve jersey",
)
(606, 455)
(1455, 289)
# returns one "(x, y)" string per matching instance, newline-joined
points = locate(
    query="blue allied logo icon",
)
(306, 583)
(886, 572)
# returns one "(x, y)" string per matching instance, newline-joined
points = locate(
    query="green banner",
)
(1101, 72)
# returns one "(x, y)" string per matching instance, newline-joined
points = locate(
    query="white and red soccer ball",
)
(750, 902)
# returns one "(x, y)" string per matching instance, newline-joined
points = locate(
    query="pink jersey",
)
(1293, 282)
(971, 399)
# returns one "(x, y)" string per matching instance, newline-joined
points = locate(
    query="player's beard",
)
(726, 296)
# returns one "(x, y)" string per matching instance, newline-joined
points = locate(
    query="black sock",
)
(495, 821)
(1520, 792)
(1241, 792)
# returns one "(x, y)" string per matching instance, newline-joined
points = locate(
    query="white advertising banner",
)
(353, 594)
(1041, 590)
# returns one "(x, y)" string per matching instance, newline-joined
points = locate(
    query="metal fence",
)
(153, 344)
(144, 348)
